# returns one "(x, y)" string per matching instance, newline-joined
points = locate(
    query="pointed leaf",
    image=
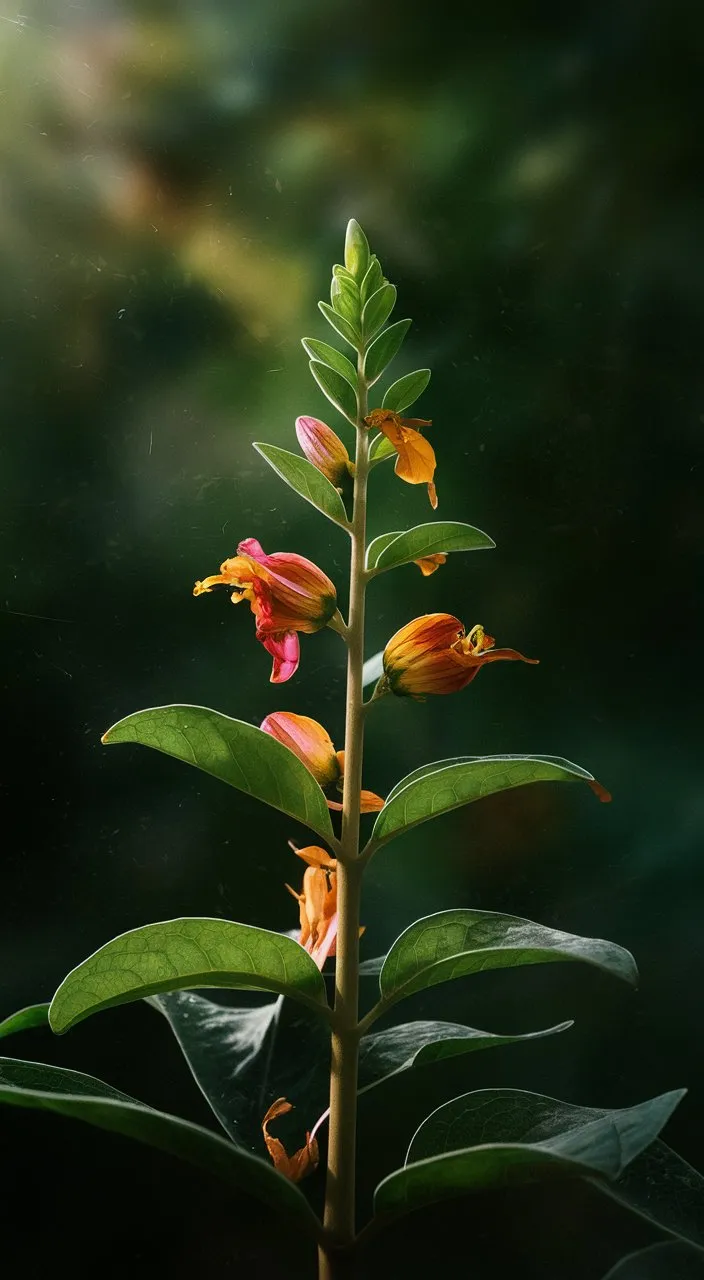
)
(377, 310)
(325, 354)
(402, 394)
(373, 279)
(345, 299)
(377, 545)
(664, 1189)
(70, 1093)
(35, 1015)
(669, 1261)
(305, 479)
(453, 944)
(426, 540)
(495, 1137)
(180, 955)
(236, 752)
(426, 795)
(337, 390)
(383, 350)
(346, 330)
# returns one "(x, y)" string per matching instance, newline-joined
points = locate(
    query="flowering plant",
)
(240, 1056)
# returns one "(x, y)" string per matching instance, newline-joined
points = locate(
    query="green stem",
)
(339, 1218)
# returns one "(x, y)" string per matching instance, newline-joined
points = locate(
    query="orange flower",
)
(433, 654)
(429, 564)
(313, 745)
(287, 594)
(325, 450)
(302, 1162)
(317, 903)
(416, 458)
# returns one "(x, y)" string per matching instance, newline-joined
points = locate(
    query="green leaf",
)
(413, 1044)
(325, 354)
(373, 280)
(236, 752)
(344, 296)
(391, 550)
(437, 789)
(454, 944)
(377, 310)
(400, 395)
(356, 250)
(305, 479)
(70, 1093)
(380, 449)
(346, 330)
(669, 1261)
(179, 955)
(34, 1015)
(383, 350)
(337, 390)
(665, 1190)
(495, 1137)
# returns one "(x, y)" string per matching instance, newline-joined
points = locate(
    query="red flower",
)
(314, 746)
(433, 654)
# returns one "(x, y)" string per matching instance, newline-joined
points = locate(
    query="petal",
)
(316, 857)
(327, 941)
(430, 564)
(369, 802)
(302, 1162)
(429, 631)
(285, 649)
(308, 740)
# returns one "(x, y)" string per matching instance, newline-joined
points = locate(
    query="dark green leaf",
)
(180, 955)
(373, 279)
(305, 479)
(663, 1188)
(35, 1015)
(356, 250)
(383, 350)
(669, 1261)
(346, 330)
(337, 390)
(381, 448)
(325, 354)
(377, 310)
(495, 1137)
(432, 791)
(425, 540)
(406, 391)
(70, 1093)
(236, 752)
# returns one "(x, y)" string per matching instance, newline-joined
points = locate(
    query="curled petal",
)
(315, 856)
(285, 649)
(300, 1164)
(430, 564)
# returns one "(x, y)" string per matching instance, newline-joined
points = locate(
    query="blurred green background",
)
(176, 183)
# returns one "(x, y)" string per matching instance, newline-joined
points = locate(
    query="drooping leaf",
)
(377, 310)
(430, 791)
(495, 1137)
(668, 1261)
(413, 1044)
(325, 354)
(356, 250)
(454, 944)
(373, 279)
(346, 330)
(181, 955)
(390, 550)
(237, 753)
(663, 1188)
(305, 479)
(402, 394)
(34, 1015)
(383, 350)
(70, 1093)
(380, 450)
(373, 669)
(336, 388)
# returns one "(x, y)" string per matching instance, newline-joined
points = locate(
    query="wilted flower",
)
(416, 458)
(287, 594)
(325, 450)
(429, 564)
(314, 746)
(317, 903)
(302, 1162)
(434, 654)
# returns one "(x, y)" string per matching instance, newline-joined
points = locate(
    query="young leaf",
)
(380, 449)
(400, 395)
(454, 944)
(305, 479)
(669, 1261)
(180, 955)
(377, 310)
(325, 354)
(70, 1093)
(346, 330)
(390, 550)
(383, 350)
(35, 1015)
(336, 388)
(237, 753)
(665, 1190)
(478, 1141)
(344, 296)
(373, 280)
(434, 790)
(356, 250)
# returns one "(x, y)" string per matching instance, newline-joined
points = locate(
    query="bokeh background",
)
(176, 182)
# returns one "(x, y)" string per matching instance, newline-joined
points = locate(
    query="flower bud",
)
(356, 250)
(324, 449)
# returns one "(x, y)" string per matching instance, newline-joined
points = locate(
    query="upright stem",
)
(339, 1217)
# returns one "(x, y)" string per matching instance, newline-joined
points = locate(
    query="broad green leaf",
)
(454, 944)
(236, 752)
(356, 250)
(70, 1093)
(428, 793)
(381, 449)
(400, 395)
(180, 955)
(305, 479)
(495, 1137)
(413, 1044)
(346, 330)
(384, 349)
(336, 388)
(425, 540)
(35, 1015)
(669, 1261)
(664, 1189)
(325, 354)
(373, 279)
(344, 296)
(377, 310)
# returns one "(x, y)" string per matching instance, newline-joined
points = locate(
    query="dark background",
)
(177, 179)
